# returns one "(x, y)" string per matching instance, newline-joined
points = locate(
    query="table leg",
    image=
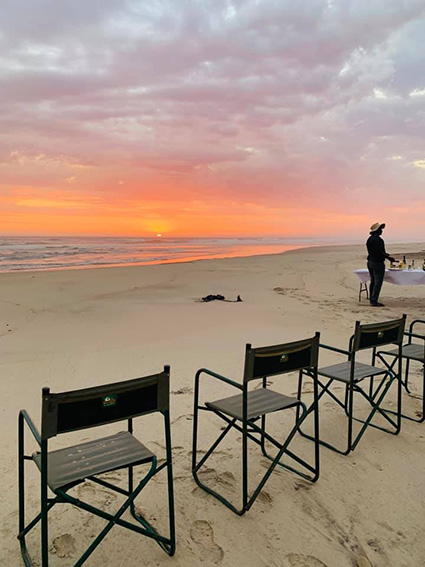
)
(363, 289)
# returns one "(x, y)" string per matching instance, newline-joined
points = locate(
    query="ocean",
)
(25, 253)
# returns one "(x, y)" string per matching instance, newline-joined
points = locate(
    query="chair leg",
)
(420, 419)
(116, 517)
(244, 465)
(263, 439)
(44, 507)
(350, 416)
(275, 461)
(343, 405)
(169, 546)
(197, 465)
(367, 422)
(45, 504)
(314, 469)
(21, 488)
(299, 418)
(172, 547)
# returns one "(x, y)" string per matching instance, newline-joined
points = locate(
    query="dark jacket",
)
(376, 249)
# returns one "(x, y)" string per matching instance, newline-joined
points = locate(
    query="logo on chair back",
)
(284, 358)
(108, 401)
(380, 334)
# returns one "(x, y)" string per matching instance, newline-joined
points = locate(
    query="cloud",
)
(269, 101)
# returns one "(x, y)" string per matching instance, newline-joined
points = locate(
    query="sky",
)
(212, 117)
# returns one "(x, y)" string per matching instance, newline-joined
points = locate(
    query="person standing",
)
(376, 262)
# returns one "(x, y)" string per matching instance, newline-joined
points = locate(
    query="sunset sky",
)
(212, 117)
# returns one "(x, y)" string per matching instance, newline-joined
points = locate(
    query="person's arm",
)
(387, 256)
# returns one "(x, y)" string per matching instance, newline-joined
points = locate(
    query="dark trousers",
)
(377, 272)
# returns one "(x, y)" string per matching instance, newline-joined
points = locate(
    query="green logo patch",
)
(108, 401)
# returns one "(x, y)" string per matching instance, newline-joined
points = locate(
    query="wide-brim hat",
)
(377, 226)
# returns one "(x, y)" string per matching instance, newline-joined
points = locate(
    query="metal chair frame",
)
(376, 334)
(248, 426)
(382, 356)
(105, 395)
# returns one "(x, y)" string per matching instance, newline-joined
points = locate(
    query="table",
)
(396, 277)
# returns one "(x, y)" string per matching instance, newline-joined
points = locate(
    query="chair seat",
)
(260, 402)
(412, 351)
(342, 371)
(74, 464)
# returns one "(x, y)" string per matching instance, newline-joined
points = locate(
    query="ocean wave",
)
(26, 253)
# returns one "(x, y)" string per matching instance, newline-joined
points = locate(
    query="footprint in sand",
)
(299, 485)
(206, 473)
(64, 545)
(180, 391)
(96, 496)
(363, 562)
(202, 534)
(184, 417)
(265, 498)
(226, 478)
(296, 560)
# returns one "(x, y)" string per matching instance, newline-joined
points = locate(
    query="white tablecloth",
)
(397, 277)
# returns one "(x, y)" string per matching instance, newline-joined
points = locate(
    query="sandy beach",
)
(80, 328)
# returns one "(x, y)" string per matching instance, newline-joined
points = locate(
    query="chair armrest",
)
(26, 418)
(219, 377)
(335, 349)
(413, 324)
(414, 335)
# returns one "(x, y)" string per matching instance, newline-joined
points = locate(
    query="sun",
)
(159, 235)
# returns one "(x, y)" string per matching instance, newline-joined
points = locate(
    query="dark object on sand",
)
(219, 297)
(213, 298)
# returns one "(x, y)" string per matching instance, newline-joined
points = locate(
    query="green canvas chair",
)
(63, 469)
(243, 411)
(353, 375)
(412, 352)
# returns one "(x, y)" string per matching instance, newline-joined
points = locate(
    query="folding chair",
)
(63, 469)
(352, 373)
(411, 352)
(242, 411)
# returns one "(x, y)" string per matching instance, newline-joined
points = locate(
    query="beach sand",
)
(74, 329)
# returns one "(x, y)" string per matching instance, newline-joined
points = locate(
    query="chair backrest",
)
(90, 407)
(280, 359)
(377, 334)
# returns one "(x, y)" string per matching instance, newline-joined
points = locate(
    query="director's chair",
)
(411, 352)
(63, 469)
(242, 412)
(351, 374)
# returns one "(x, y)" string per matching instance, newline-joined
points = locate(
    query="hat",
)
(377, 226)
